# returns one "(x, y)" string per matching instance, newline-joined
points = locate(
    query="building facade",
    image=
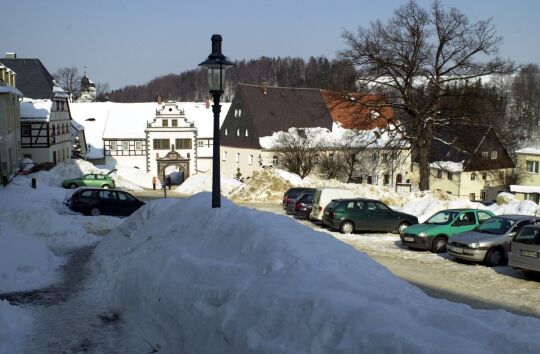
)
(10, 131)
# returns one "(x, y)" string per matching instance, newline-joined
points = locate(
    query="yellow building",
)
(10, 128)
(528, 187)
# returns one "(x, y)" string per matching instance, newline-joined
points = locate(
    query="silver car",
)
(489, 242)
(525, 249)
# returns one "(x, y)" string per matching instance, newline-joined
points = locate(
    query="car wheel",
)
(73, 185)
(95, 211)
(402, 227)
(494, 257)
(439, 245)
(347, 227)
(105, 186)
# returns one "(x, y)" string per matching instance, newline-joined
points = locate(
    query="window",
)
(25, 130)
(494, 155)
(484, 176)
(485, 155)
(250, 159)
(371, 206)
(482, 195)
(532, 166)
(183, 143)
(27, 156)
(449, 175)
(247, 132)
(238, 113)
(472, 196)
(473, 177)
(113, 145)
(125, 197)
(162, 144)
(237, 132)
(200, 143)
(355, 206)
(374, 157)
(125, 145)
(138, 145)
(165, 123)
(386, 179)
(226, 132)
(467, 218)
(105, 194)
(275, 160)
(439, 173)
(237, 157)
(174, 122)
(483, 216)
(224, 155)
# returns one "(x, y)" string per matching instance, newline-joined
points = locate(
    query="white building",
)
(10, 131)
(45, 114)
(158, 137)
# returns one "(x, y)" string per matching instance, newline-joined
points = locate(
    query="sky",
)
(129, 42)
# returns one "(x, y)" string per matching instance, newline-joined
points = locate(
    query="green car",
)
(90, 180)
(434, 233)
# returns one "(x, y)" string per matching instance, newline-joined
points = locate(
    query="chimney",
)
(207, 103)
(264, 86)
(158, 100)
(11, 55)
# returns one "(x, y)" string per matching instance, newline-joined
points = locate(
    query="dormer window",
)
(237, 132)
(247, 132)
(238, 113)
(165, 123)
(226, 132)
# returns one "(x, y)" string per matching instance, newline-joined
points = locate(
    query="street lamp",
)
(216, 63)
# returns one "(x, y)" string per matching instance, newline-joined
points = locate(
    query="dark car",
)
(97, 201)
(289, 198)
(303, 205)
(358, 214)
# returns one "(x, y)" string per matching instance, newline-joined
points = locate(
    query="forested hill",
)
(192, 85)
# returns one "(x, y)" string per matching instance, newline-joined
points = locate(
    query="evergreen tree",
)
(76, 152)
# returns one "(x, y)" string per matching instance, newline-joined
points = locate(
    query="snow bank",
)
(214, 280)
(203, 183)
(64, 170)
(25, 262)
(267, 185)
(16, 324)
(131, 178)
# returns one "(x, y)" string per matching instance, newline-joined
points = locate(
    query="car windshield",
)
(442, 217)
(496, 226)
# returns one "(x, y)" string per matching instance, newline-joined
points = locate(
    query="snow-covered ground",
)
(183, 277)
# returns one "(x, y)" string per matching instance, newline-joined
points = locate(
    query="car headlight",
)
(475, 245)
(422, 234)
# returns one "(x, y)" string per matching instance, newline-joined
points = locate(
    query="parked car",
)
(359, 214)
(304, 205)
(323, 196)
(489, 242)
(97, 201)
(434, 233)
(525, 249)
(289, 197)
(90, 180)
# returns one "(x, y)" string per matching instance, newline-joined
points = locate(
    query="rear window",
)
(528, 235)
(332, 205)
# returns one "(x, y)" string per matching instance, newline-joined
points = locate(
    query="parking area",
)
(439, 275)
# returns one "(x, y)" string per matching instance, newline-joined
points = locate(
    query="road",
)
(438, 275)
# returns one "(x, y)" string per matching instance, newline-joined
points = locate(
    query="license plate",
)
(456, 250)
(532, 254)
(408, 239)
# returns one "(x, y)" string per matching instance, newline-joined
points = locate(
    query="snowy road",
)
(439, 276)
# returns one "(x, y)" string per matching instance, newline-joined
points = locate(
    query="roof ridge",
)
(282, 87)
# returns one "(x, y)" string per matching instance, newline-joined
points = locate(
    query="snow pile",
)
(64, 170)
(196, 280)
(15, 323)
(267, 185)
(203, 183)
(131, 178)
(25, 262)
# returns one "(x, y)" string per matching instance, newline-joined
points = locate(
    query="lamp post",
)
(216, 63)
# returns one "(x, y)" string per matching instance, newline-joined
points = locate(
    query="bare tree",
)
(102, 91)
(331, 164)
(413, 57)
(297, 150)
(69, 79)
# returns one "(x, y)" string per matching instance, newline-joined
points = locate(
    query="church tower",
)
(88, 90)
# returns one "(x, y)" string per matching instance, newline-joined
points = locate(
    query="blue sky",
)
(130, 41)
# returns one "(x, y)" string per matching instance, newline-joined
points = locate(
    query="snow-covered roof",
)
(529, 151)
(449, 166)
(516, 188)
(129, 120)
(36, 109)
(10, 89)
(58, 91)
